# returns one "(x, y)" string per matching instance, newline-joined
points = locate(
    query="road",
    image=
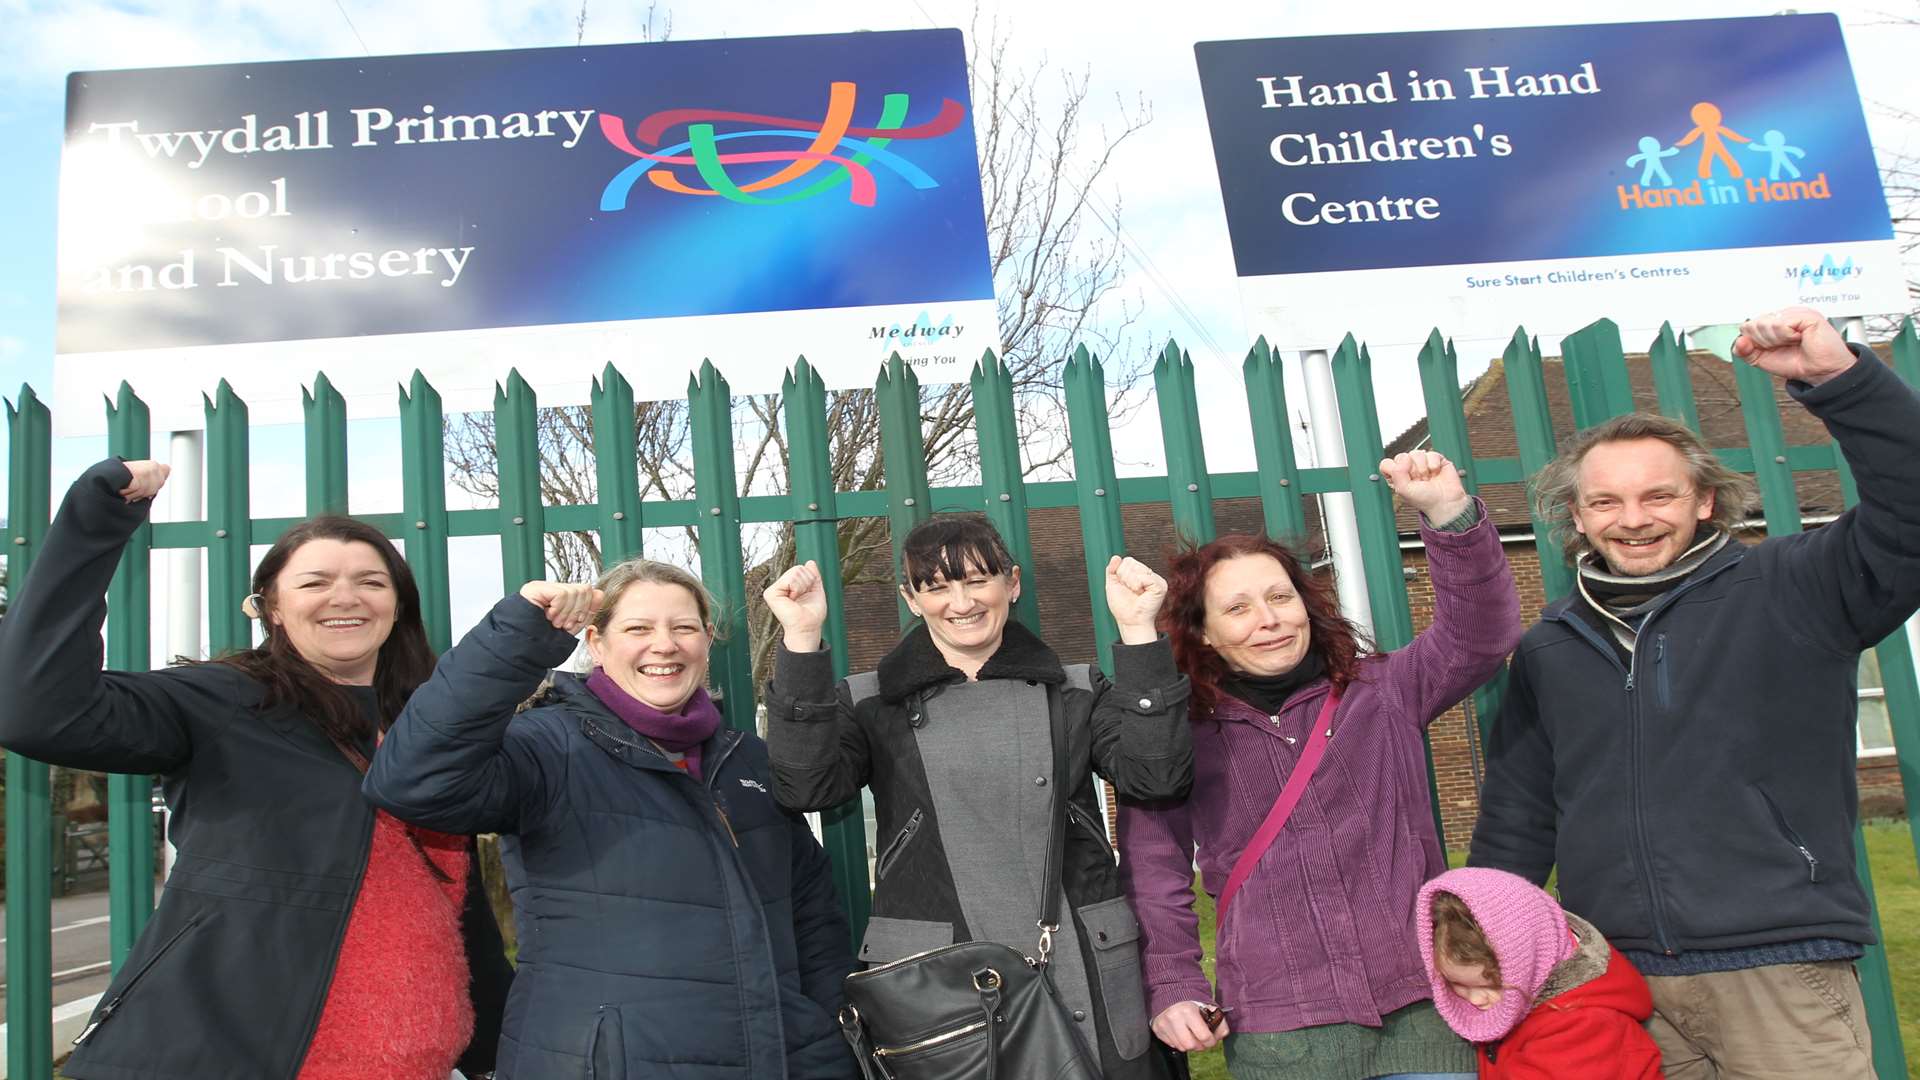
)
(80, 947)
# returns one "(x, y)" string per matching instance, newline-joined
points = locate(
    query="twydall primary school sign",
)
(1475, 179)
(744, 201)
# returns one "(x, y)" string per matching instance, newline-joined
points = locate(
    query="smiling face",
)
(335, 601)
(966, 617)
(1469, 982)
(654, 644)
(1255, 618)
(1637, 506)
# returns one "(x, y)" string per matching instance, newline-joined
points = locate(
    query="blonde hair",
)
(1458, 938)
(617, 579)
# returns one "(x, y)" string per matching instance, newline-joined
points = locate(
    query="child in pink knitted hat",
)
(1537, 990)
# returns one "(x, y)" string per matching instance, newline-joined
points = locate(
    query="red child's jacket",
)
(1589, 1031)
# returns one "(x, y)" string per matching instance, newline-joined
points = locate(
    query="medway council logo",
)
(1719, 179)
(847, 152)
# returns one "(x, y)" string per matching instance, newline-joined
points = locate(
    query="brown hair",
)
(1458, 938)
(1184, 616)
(1556, 488)
(405, 658)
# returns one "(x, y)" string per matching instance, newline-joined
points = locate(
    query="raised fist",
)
(799, 600)
(1134, 596)
(1794, 343)
(148, 478)
(1428, 482)
(568, 606)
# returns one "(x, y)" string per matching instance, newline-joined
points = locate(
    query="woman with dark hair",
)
(301, 934)
(954, 735)
(1319, 972)
(675, 922)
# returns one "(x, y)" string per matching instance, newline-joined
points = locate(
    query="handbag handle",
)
(1290, 793)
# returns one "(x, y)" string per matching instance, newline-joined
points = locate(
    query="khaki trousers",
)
(1782, 1020)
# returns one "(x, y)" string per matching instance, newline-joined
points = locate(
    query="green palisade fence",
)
(1595, 373)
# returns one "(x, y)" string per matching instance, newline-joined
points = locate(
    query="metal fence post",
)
(816, 538)
(229, 535)
(717, 498)
(326, 432)
(904, 458)
(1278, 472)
(1673, 377)
(1533, 431)
(1189, 489)
(1596, 370)
(29, 798)
(424, 505)
(523, 516)
(1002, 481)
(615, 468)
(129, 612)
(1096, 488)
(1439, 365)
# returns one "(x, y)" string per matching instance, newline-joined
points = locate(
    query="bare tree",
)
(1057, 273)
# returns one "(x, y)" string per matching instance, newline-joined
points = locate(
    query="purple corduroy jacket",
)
(1323, 930)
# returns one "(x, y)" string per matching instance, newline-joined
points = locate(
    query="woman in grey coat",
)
(953, 735)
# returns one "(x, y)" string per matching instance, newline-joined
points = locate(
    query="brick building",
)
(1066, 618)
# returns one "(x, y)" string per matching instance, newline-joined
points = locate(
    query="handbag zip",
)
(930, 1041)
(877, 969)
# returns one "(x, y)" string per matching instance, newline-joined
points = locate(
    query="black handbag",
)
(975, 1010)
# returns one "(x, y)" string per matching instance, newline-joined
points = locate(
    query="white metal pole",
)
(185, 485)
(1342, 528)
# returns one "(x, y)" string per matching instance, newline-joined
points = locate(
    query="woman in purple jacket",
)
(1319, 973)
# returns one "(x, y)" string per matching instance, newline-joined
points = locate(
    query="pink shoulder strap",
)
(1290, 793)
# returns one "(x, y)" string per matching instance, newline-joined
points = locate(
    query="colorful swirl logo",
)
(832, 141)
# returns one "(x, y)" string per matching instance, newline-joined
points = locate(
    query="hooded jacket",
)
(670, 927)
(1586, 1022)
(228, 980)
(1571, 1006)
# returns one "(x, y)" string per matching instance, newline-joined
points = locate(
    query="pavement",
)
(80, 947)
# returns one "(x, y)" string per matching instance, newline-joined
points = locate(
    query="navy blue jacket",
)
(1702, 796)
(669, 927)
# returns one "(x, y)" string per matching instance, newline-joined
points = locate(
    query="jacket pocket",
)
(1093, 828)
(1788, 834)
(119, 998)
(898, 844)
(1115, 936)
(607, 1046)
(888, 940)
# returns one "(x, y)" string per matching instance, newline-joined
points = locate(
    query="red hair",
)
(1183, 617)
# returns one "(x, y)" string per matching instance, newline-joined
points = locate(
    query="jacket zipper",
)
(1792, 837)
(900, 841)
(712, 772)
(1086, 821)
(1644, 846)
(113, 1006)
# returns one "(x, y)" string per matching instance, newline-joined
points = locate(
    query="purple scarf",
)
(680, 732)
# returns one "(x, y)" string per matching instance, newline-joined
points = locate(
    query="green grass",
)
(1896, 883)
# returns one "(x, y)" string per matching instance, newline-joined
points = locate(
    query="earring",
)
(250, 605)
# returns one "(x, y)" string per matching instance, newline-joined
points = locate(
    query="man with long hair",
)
(1678, 734)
